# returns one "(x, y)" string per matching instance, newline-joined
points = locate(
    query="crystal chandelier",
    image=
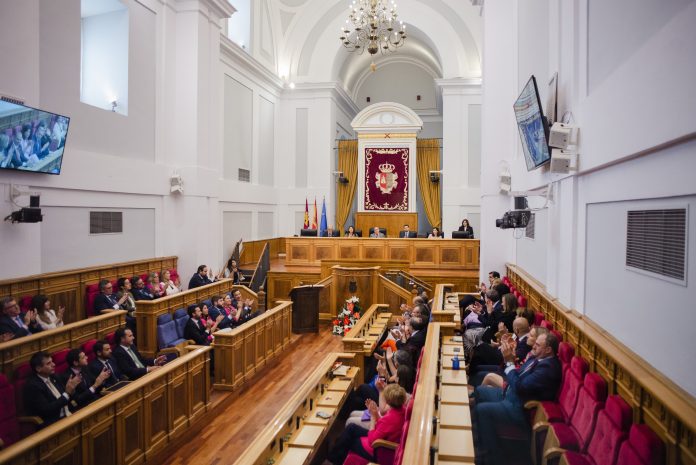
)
(374, 28)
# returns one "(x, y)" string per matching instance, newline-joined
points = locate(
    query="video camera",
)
(517, 218)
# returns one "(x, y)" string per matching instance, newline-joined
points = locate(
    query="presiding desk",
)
(452, 254)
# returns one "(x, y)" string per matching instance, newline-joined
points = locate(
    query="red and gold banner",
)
(386, 179)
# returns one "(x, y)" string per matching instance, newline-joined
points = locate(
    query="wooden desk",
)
(363, 337)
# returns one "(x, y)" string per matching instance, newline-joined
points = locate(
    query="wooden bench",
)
(296, 433)
(363, 337)
(240, 353)
(16, 352)
(68, 287)
(132, 425)
(442, 311)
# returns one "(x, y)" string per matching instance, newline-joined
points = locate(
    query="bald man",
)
(520, 326)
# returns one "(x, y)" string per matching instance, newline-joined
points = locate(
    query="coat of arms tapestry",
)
(386, 179)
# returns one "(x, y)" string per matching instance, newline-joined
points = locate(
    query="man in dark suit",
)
(14, 323)
(407, 233)
(538, 379)
(492, 315)
(89, 387)
(194, 329)
(201, 278)
(103, 360)
(129, 360)
(106, 299)
(414, 342)
(140, 292)
(44, 395)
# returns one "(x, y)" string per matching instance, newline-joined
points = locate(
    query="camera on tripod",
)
(517, 218)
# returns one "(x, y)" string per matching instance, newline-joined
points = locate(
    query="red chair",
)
(611, 430)
(566, 352)
(111, 339)
(516, 293)
(522, 301)
(642, 448)
(91, 292)
(546, 324)
(21, 374)
(59, 358)
(576, 434)
(9, 426)
(25, 303)
(558, 334)
(512, 288)
(538, 318)
(506, 281)
(88, 348)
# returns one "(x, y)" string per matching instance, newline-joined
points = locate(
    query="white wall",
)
(237, 128)
(398, 82)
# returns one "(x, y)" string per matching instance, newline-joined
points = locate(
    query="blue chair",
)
(208, 302)
(167, 338)
(180, 319)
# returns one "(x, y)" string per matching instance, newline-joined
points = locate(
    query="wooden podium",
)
(305, 308)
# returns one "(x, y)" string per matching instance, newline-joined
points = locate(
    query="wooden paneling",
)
(245, 350)
(68, 287)
(326, 265)
(18, 351)
(363, 337)
(393, 222)
(130, 425)
(393, 295)
(280, 283)
(447, 254)
(251, 251)
(656, 400)
(148, 310)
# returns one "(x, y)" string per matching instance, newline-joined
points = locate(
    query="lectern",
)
(305, 308)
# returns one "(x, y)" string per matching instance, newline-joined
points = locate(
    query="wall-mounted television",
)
(534, 130)
(31, 139)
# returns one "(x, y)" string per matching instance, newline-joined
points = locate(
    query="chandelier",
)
(374, 28)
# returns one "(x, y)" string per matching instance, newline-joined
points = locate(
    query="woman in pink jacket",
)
(359, 440)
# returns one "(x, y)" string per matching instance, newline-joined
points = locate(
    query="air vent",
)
(529, 230)
(105, 222)
(244, 175)
(656, 242)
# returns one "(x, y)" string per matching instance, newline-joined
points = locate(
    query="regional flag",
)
(306, 214)
(314, 218)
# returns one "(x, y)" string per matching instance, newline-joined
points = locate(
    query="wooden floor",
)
(247, 414)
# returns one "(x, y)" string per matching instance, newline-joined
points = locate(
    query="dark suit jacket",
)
(198, 281)
(82, 395)
(408, 234)
(522, 349)
(535, 380)
(469, 230)
(96, 367)
(214, 312)
(142, 294)
(414, 344)
(102, 302)
(39, 401)
(194, 332)
(126, 364)
(8, 325)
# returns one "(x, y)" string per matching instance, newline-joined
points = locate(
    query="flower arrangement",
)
(347, 317)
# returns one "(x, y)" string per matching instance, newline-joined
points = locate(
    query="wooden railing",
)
(148, 310)
(440, 313)
(656, 400)
(296, 433)
(244, 351)
(132, 425)
(392, 294)
(67, 288)
(251, 250)
(407, 281)
(363, 337)
(326, 310)
(263, 265)
(18, 351)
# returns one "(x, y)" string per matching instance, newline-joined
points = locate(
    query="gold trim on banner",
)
(388, 135)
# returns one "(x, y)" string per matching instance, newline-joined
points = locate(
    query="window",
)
(656, 243)
(104, 58)
(105, 222)
(239, 24)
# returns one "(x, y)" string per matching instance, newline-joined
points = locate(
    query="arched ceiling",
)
(444, 38)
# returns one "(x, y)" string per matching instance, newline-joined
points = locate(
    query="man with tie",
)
(104, 361)
(538, 379)
(407, 233)
(44, 395)
(89, 388)
(12, 322)
(129, 360)
(106, 300)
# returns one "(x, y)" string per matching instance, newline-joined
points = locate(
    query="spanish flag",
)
(306, 214)
(314, 218)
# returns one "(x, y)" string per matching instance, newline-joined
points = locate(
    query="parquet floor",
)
(235, 425)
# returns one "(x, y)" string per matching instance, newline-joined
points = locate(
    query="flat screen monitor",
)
(31, 139)
(532, 126)
(308, 233)
(461, 235)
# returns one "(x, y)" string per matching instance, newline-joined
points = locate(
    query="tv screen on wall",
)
(532, 126)
(31, 139)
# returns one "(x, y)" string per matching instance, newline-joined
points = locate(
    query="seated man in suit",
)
(414, 342)
(13, 324)
(200, 278)
(44, 395)
(218, 309)
(407, 233)
(89, 387)
(538, 379)
(376, 232)
(140, 292)
(106, 300)
(129, 360)
(329, 232)
(104, 361)
(195, 329)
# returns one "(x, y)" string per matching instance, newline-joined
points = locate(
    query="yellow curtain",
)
(348, 164)
(428, 159)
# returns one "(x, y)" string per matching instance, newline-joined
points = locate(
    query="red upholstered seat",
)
(173, 274)
(506, 281)
(611, 430)
(111, 339)
(558, 334)
(576, 434)
(566, 351)
(88, 348)
(538, 318)
(59, 358)
(91, 291)
(546, 324)
(642, 448)
(9, 427)
(25, 303)
(21, 374)
(516, 293)
(562, 410)
(522, 301)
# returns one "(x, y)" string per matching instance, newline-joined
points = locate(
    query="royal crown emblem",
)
(386, 178)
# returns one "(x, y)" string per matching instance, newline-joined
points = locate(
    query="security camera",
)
(517, 218)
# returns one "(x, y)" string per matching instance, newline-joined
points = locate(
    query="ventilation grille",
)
(244, 175)
(656, 242)
(529, 230)
(105, 222)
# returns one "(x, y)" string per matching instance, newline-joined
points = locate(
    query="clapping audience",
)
(14, 323)
(46, 317)
(167, 284)
(200, 278)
